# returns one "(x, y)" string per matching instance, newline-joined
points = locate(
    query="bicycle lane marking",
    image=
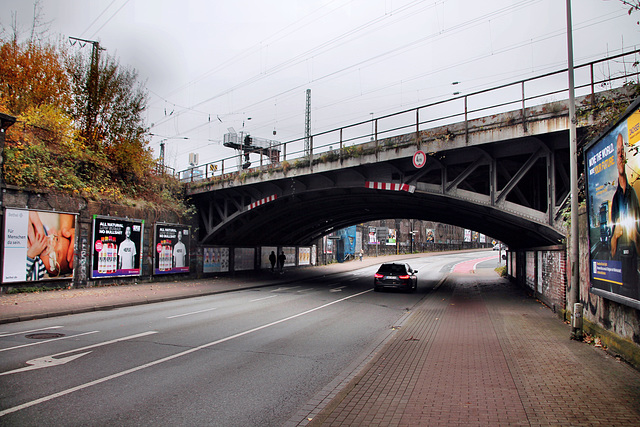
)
(466, 266)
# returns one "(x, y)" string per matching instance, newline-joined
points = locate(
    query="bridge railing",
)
(590, 78)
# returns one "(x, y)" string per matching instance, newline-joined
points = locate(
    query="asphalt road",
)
(251, 357)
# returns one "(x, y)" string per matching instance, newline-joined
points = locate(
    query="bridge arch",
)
(299, 219)
(504, 181)
(505, 174)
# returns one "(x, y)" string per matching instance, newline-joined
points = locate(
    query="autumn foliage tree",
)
(32, 76)
(111, 119)
(60, 144)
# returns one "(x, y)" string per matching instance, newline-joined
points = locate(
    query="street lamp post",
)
(574, 291)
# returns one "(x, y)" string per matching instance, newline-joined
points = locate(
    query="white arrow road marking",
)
(47, 361)
(338, 289)
(8, 334)
(168, 358)
(44, 362)
(46, 341)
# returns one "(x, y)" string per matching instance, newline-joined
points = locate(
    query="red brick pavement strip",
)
(486, 354)
(381, 392)
(465, 378)
(561, 382)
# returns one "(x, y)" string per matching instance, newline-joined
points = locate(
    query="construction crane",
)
(245, 145)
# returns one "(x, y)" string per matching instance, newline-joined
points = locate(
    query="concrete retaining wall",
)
(543, 273)
(85, 209)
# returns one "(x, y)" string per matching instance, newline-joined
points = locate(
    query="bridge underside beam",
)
(510, 190)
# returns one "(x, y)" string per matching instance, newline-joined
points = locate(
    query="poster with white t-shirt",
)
(116, 247)
(171, 253)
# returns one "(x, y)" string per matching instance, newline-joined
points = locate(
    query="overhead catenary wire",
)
(394, 52)
(97, 18)
(110, 18)
(291, 92)
(388, 53)
(300, 58)
(284, 32)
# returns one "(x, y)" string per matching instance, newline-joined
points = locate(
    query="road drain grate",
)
(44, 336)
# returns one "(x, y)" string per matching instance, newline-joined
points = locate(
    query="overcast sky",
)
(211, 65)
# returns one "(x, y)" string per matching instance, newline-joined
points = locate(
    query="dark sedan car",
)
(395, 276)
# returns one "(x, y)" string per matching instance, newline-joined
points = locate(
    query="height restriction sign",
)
(419, 159)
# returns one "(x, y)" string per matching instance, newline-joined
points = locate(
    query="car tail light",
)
(378, 276)
(404, 277)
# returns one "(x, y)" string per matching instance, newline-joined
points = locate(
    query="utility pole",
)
(92, 85)
(162, 154)
(574, 293)
(307, 126)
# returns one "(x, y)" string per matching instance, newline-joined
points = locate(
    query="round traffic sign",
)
(419, 159)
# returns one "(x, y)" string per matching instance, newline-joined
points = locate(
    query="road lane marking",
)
(192, 312)
(260, 299)
(338, 289)
(8, 334)
(168, 358)
(46, 341)
(46, 361)
(285, 289)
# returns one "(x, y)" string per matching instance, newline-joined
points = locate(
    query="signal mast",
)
(245, 145)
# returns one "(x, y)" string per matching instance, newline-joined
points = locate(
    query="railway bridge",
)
(495, 161)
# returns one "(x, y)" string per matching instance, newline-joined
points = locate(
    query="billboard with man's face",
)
(116, 247)
(612, 163)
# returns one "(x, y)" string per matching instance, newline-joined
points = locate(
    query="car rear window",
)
(392, 269)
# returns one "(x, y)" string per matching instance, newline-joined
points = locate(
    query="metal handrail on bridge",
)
(348, 136)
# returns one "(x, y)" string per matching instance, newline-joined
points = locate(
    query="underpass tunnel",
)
(302, 218)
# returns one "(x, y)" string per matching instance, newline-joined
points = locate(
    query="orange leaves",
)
(32, 75)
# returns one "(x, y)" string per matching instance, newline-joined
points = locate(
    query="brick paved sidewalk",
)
(479, 352)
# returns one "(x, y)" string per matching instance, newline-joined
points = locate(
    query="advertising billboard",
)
(216, 260)
(304, 256)
(391, 237)
(349, 236)
(612, 163)
(172, 249)
(116, 247)
(244, 259)
(373, 236)
(38, 245)
(430, 233)
(290, 254)
(265, 252)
